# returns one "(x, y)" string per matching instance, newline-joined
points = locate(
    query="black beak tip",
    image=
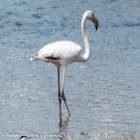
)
(96, 27)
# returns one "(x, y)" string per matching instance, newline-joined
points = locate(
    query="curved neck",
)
(86, 54)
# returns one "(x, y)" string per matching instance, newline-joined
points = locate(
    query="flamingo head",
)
(90, 16)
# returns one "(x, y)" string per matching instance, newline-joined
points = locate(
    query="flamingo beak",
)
(96, 22)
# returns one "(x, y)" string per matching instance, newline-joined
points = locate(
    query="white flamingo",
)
(63, 53)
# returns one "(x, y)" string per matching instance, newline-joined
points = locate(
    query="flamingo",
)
(24, 137)
(62, 53)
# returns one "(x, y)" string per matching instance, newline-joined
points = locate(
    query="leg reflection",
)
(63, 129)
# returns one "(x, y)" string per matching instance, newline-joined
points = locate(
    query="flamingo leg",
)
(59, 96)
(63, 95)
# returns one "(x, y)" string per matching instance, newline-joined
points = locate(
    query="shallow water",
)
(102, 94)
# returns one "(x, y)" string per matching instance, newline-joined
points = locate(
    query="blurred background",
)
(103, 94)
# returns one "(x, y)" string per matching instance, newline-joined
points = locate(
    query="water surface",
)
(103, 94)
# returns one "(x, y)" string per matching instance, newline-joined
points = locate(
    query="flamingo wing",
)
(60, 50)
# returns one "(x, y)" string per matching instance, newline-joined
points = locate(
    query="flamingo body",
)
(59, 53)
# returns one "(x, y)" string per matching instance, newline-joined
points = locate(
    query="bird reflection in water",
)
(63, 129)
